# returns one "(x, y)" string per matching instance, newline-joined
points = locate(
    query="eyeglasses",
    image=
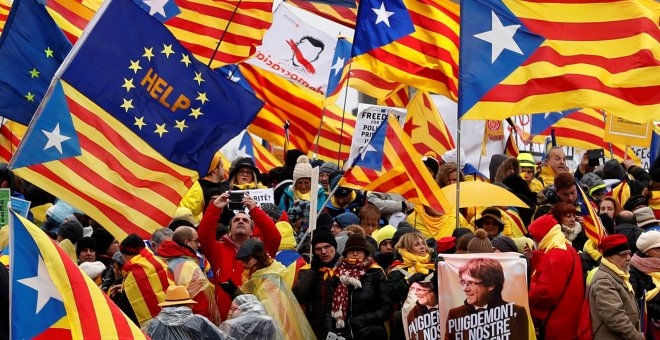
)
(195, 240)
(420, 289)
(470, 284)
(245, 172)
(322, 248)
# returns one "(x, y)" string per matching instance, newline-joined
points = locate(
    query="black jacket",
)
(314, 293)
(640, 283)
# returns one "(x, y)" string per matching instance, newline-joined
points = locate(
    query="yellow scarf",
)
(416, 263)
(617, 271)
(245, 186)
(553, 239)
(334, 202)
(305, 197)
(656, 281)
(434, 226)
(591, 249)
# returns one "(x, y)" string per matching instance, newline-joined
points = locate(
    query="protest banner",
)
(484, 297)
(623, 131)
(260, 196)
(369, 119)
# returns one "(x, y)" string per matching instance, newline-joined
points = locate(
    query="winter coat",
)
(614, 313)
(195, 198)
(353, 207)
(557, 283)
(388, 203)
(287, 198)
(179, 322)
(221, 253)
(640, 282)
(368, 307)
(314, 290)
(542, 179)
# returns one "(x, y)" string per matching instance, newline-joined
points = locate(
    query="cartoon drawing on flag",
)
(484, 297)
(297, 51)
(369, 119)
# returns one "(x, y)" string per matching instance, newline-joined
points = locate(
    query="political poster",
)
(296, 51)
(420, 310)
(369, 118)
(624, 131)
(260, 196)
(484, 296)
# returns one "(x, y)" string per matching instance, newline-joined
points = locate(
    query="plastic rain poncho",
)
(179, 323)
(250, 321)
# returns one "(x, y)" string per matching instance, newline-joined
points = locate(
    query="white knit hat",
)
(92, 269)
(648, 240)
(302, 169)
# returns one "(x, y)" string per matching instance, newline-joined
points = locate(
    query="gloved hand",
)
(416, 278)
(229, 287)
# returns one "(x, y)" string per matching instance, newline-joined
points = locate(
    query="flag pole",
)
(318, 132)
(458, 162)
(286, 135)
(343, 113)
(222, 36)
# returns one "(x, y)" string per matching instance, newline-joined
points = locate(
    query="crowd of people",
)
(257, 272)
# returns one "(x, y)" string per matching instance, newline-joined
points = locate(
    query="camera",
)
(596, 157)
(236, 200)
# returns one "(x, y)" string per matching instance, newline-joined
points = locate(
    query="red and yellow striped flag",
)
(340, 14)
(364, 80)
(145, 284)
(303, 109)
(10, 136)
(593, 227)
(198, 27)
(396, 167)
(511, 147)
(426, 59)
(584, 129)
(398, 98)
(425, 126)
(4, 13)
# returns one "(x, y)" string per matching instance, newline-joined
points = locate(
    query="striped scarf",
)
(349, 273)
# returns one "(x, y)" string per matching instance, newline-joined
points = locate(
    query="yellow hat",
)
(175, 296)
(385, 233)
(288, 240)
(215, 161)
(526, 160)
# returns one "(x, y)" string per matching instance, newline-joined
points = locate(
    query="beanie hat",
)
(541, 226)
(504, 244)
(302, 169)
(249, 248)
(346, 219)
(526, 160)
(103, 240)
(244, 162)
(288, 241)
(341, 191)
(329, 168)
(85, 243)
(613, 244)
(480, 243)
(450, 156)
(356, 242)
(446, 245)
(272, 210)
(612, 169)
(117, 257)
(645, 217)
(292, 157)
(324, 220)
(323, 235)
(215, 161)
(92, 269)
(430, 159)
(648, 240)
(523, 241)
(385, 233)
(71, 230)
(495, 161)
(131, 245)
(635, 201)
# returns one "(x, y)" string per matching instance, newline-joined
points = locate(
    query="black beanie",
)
(504, 244)
(292, 158)
(71, 230)
(84, 243)
(635, 201)
(103, 240)
(612, 169)
(131, 245)
(324, 220)
(323, 235)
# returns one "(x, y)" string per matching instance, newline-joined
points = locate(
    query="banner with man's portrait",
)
(484, 296)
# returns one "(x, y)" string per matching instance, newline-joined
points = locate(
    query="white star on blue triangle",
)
(371, 155)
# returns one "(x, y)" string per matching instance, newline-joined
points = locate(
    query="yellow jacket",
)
(435, 226)
(546, 176)
(194, 200)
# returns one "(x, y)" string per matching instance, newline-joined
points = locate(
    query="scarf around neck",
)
(349, 274)
(623, 275)
(553, 239)
(651, 267)
(297, 195)
(416, 263)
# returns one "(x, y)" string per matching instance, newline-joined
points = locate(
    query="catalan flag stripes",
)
(339, 14)
(303, 109)
(593, 226)
(364, 80)
(398, 98)
(263, 159)
(145, 284)
(511, 147)
(426, 59)
(72, 15)
(4, 13)
(425, 126)
(10, 136)
(584, 129)
(596, 54)
(90, 313)
(129, 203)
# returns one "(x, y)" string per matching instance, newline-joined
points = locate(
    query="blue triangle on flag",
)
(371, 155)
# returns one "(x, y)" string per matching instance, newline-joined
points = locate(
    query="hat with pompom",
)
(302, 169)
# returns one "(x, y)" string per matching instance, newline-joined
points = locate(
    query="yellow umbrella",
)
(482, 194)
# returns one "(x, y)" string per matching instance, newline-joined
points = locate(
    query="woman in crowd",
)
(645, 279)
(243, 176)
(362, 301)
(609, 206)
(564, 213)
(301, 188)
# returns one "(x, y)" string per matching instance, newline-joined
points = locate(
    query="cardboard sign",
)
(260, 196)
(623, 131)
(369, 119)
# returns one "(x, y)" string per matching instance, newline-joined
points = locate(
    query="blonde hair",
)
(407, 241)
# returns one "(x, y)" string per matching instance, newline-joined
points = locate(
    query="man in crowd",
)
(554, 163)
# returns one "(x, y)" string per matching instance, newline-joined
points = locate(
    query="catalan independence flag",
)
(133, 122)
(340, 14)
(4, 13)
(411, 42)
(425, 126)
(531, 56)
(52, 298)
(398, 98)
(338, 71)
(582, 129)
(511, 147)
(263, 159)
(593, 226)
(145, 283)
(389, 163)
(11, 134)
(366, 81)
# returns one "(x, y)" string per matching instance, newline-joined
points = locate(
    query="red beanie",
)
(446, 245)
(613, 244)
(541, 226)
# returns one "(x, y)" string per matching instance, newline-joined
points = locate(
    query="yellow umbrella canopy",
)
(482, 194)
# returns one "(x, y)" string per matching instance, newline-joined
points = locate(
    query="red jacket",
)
(221, 253)
(550, 277)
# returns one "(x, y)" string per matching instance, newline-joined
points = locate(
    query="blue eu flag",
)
(32, 47)
(135, 69)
